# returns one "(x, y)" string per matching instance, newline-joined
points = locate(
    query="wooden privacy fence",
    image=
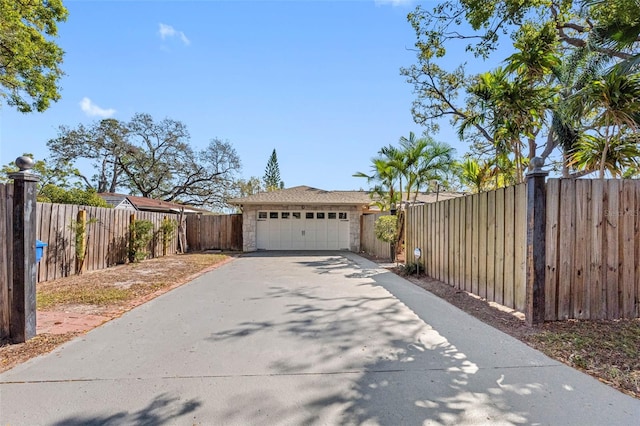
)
(475, 243)
(6, 257)
(369, 243)
(107, 237)
(214, 232)
(588, 264)
(593, 249)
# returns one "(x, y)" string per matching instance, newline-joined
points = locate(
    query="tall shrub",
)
(141, 232)
(386, 229)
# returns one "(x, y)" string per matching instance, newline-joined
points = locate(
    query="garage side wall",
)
(250, 226)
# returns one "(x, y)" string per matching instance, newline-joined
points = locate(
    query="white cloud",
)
(93, 110)
(167, 31)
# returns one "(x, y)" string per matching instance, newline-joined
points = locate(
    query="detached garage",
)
(302, 218)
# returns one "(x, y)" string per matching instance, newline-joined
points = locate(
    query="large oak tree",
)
(152, 159)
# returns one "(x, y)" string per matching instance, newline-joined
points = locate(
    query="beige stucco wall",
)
(250, 216)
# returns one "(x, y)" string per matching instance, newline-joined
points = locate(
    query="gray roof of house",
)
(305, 195)
(308, 195)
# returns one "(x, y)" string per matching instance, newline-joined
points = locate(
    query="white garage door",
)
(303, 230)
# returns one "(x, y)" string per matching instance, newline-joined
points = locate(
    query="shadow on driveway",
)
(396, 369)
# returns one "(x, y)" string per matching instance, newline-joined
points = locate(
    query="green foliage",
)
(525, 108)
(167, 229)
(141, 233)
(79, 228)
(61, 174)
(425, 161)
(621, 155)
(250, 186)
(386, 228)
(29, 59)
(409, 269)
(82, 197)
(418, 162)
(58, 183)
(271, 177)
(476, 175)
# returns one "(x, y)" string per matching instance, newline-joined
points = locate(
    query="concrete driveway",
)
(292, 339)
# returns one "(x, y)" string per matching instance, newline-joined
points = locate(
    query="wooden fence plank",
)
(482, 245)
(491, 246)
(430, 238)
(457, 251)
(551, 251)
(582, 230)
(520, 258)
(424, 218)
(596, 272)
(499, 248)
(444, 231)
(56, 244)
(612, 217)
(468, 243)
(627, 249)
(509, 247)
(452, 243)
(438, 238)
(462, 251)
(475, 251)
(6, 207)
(565, 247)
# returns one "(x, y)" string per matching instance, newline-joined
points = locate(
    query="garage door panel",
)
(307, 230)
(297, 228)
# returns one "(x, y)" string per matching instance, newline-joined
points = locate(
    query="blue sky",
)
(318, 81)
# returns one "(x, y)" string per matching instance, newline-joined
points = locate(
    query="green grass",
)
(82, 295)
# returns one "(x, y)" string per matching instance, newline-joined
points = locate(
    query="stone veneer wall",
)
(250, 225)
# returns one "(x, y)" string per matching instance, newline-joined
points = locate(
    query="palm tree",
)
(433, 164)
(396, 158)
(476, 174)
(383, 176)
(621, 155)
(425, 160)
(614, 103)
(617, 35)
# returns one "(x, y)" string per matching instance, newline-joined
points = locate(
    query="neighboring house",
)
(431, 197)
(302, 218)
(305, 218)
(134, 203)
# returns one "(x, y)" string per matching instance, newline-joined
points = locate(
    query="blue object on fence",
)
(40, 245)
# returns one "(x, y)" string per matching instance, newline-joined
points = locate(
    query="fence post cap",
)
(25, 164)
(536, 164)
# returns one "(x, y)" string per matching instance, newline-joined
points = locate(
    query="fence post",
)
(23, 295)
(536, 229)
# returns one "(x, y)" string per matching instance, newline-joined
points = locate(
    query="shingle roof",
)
(148, 204)
(431, 197)
(308, 195)
(305, 195)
